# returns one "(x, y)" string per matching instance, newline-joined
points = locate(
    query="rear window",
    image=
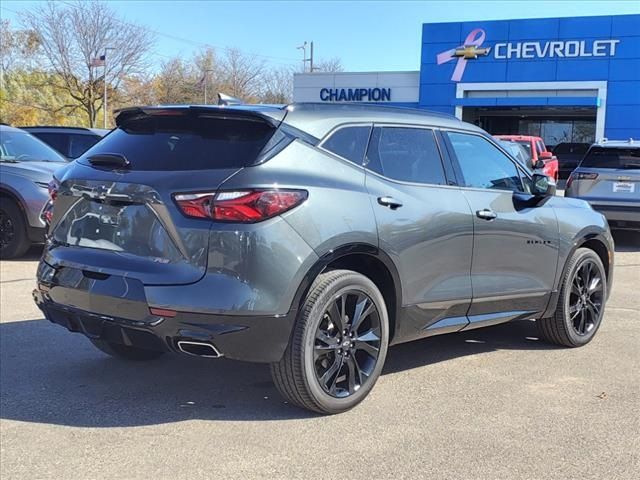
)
(574, 148)
(186, 143)
(623, 158)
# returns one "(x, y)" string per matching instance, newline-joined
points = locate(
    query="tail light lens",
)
(243, 206)
(47, 211)
(581, 176)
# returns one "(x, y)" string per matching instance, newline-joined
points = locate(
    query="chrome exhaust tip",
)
(198, 349)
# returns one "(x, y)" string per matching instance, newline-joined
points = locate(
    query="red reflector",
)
(240, 206)
(162, 312)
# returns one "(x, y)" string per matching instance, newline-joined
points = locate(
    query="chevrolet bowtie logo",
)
(470, 52)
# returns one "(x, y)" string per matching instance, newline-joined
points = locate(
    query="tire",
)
(580, 309)
(125, 352)
(14, 241)
(324, 369)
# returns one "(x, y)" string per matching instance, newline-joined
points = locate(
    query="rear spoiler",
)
(270, 115)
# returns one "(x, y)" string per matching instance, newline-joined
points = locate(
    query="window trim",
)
(443, 157)
(335, 129)
(458, 170)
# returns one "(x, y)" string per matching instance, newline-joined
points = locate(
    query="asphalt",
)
(496, 403)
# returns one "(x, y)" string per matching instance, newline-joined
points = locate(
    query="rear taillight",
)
(239, 206)
(47, 211)
(53, 189)
(581, 176)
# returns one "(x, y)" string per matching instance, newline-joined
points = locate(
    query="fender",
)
(7, 190)
(343, 251)
(585, 235)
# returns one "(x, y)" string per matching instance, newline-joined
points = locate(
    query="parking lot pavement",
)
(487, 404)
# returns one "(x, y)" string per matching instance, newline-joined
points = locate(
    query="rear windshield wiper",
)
(109, 159)
(9, 160)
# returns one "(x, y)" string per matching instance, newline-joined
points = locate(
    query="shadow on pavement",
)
(48, 375)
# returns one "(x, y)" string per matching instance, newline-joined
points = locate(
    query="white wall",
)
(405, 86)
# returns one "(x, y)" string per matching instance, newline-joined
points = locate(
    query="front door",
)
(515, 248)
(424, 225)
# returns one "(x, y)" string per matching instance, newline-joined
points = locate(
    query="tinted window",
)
(19, 146)
(407, 154)
(349, 143)
(81, 143)
(186, 143)
(483, 165)
(59, 141)
(598, 157)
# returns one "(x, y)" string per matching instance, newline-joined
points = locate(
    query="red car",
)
(541, 158)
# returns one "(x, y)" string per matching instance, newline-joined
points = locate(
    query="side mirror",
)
(545, 156)
(538, 164)
(542, 186)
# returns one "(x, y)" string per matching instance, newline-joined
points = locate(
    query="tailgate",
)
(114, 212)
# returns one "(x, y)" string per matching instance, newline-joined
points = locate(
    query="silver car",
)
(26, 168)
(609, 179)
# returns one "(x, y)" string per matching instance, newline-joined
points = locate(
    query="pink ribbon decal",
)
(474, 39)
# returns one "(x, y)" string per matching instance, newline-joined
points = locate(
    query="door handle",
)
(390, 202)
(486, 214)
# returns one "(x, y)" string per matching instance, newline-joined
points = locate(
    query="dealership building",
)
(565, 79)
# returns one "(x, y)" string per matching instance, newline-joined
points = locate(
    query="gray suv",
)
(608, 177)
(26, 168)
(312, 237)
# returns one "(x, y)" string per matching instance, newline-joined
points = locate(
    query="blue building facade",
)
(569, 79)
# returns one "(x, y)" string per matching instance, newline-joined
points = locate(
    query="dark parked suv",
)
(312, 237)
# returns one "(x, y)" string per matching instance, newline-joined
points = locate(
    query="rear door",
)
(120, 218)
(515, 247)
(424, 224)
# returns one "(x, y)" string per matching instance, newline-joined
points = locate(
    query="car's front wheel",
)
(580, 308)
(338, 346)
(14, 241)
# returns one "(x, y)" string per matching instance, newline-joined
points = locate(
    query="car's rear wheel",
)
(125, 351)
(338, 346)
(580, 308)
(14, 241)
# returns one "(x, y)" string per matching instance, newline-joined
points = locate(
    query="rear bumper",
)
(620, 217)
(256, 339)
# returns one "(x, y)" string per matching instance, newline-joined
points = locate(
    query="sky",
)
(365, 35)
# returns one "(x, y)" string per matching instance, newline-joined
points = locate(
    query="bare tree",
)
(240, 75)
(329, 65)
(73, 36)
(277, 85)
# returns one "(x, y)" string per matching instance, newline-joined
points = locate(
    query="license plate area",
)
(624, 187)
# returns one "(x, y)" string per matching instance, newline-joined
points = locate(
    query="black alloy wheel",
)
(347, 343)
(581, 301)
(338, 345)
(7, 230)
(585, 300)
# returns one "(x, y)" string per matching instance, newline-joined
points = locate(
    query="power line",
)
(289, 61)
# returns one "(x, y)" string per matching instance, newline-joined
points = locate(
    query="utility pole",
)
(105, 86)
(303, 47)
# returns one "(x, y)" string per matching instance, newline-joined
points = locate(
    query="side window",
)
(58, 141)
(349, 143)
(406, 154)
(483, 165)
(80, 144)
(540, 147)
